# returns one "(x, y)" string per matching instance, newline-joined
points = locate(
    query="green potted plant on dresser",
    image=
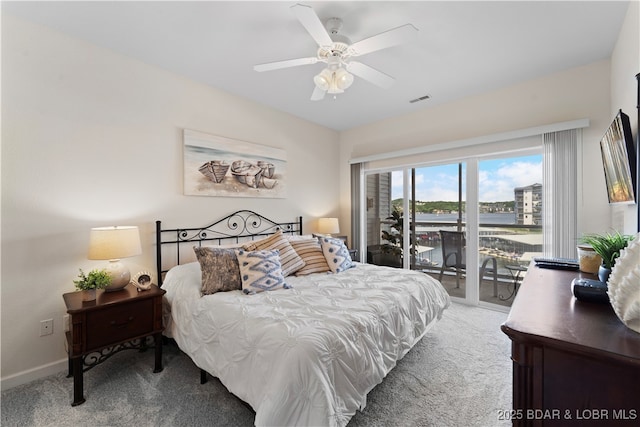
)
(89, 283)
(608, 246)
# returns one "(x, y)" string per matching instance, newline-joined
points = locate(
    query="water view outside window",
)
(510, 191)
(440, 207)
(510, 216)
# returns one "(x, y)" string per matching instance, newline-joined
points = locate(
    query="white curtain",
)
(356, 208)
(559, 200)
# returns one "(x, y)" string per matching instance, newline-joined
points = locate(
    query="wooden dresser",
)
(574, 362)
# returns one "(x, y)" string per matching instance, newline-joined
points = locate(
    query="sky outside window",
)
(497, 179)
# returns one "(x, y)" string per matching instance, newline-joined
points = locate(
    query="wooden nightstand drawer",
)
(119, 323)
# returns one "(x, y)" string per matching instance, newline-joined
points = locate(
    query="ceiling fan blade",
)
(285, 64)
(318, 94)
(394, 37)
(308, 18)
(370, 74)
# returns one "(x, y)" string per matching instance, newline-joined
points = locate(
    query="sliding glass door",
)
(442, 218)
(438, 215)
(510, 223)
(434, 199)
(384, 234)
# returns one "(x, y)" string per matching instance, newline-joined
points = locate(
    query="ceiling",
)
(462, 48)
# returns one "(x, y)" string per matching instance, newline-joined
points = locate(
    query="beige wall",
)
(92, 138)
(593, 92)
(625, 64)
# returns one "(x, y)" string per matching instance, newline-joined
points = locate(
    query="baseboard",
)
(482, 304)
(494, 307)
(33, 374)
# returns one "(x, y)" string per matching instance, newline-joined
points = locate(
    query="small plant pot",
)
(590, 261)
(89, 295)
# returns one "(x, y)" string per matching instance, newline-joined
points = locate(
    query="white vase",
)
(624, 285)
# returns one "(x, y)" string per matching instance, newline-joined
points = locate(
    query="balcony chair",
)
(454, 258)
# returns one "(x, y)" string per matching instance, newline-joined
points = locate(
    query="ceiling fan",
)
(336, 51)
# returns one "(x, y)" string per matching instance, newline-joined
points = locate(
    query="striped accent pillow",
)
(311, 252)
(289, 259)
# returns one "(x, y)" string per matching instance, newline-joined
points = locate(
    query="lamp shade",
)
(328, 226)
(114, 242)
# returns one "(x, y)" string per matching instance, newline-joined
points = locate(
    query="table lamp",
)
(114, 243)
(328, 226)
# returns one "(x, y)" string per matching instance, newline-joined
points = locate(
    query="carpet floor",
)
(459, 374)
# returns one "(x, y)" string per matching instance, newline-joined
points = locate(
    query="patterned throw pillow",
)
(289, 259)
(311, 252)
(336, 254)
(260, 271)
(220, 271)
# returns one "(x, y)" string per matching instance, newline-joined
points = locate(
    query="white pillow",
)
(225, 246)
(297, 237)
(336, 254)
(260, 271)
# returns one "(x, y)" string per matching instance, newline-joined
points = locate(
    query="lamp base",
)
(120, 276)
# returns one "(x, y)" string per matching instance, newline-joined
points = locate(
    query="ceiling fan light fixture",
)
(333, 81)
(323, 80)
(343, 78)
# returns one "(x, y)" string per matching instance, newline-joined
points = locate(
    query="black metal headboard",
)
(240, 226)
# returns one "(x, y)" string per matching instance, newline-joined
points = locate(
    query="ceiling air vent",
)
(422, 98)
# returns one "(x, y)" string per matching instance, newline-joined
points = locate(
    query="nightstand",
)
(113, 322)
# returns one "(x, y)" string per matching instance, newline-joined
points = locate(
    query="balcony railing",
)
(509, 244)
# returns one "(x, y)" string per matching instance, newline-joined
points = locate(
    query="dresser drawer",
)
(119, 323)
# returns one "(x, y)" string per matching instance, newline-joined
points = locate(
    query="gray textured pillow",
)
(220, 270)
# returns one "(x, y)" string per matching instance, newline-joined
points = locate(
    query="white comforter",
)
(308, 355)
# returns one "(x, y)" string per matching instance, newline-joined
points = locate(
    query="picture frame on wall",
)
(225, 167)
(619, 160)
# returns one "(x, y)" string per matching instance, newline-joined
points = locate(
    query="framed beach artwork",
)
(225, 167)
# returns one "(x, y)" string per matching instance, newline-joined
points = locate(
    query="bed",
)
(307, 354)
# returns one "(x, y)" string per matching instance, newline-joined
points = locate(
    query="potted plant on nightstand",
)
(608, 246)
(88, 283)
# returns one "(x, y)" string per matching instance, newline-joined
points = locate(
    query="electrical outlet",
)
(46, 327)
(66, 322)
